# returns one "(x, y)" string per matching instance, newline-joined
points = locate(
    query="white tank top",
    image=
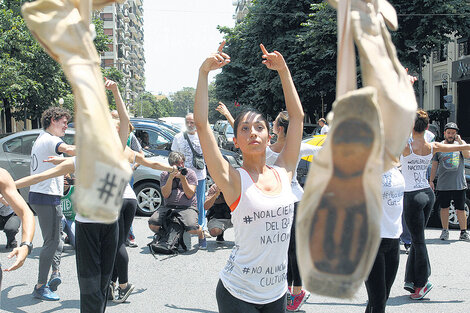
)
(256, 270)
(414, 169)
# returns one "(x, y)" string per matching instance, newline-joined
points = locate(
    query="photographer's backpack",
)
(170, 235)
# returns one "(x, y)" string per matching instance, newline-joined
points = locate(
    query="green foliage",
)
(151, 106)
(427, 24)
(183, 101)
(30, 81)
(101, 40)
(278, 25)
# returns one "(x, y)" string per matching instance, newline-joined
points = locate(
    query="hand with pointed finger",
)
(222, 108)
(273, 60)
(110, 84)
(216, 60)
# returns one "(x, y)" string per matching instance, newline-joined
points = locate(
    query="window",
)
(463, 46)
(110, 47)
(106, 16)
(108, 31)
(20, 145)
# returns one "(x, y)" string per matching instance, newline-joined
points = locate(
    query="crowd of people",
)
(266, 183)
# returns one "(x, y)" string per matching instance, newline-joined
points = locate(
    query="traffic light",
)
(448, 102)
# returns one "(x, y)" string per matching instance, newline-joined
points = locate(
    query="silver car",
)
(15, 157)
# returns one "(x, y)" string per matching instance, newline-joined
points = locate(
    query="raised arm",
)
(224, 175)
(140, 159)
(290, 153)
(222, 109)
(65, 167)
(19, 206)
(441, 147)
(121, 109)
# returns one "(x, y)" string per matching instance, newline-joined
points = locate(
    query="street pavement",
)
(187, 282)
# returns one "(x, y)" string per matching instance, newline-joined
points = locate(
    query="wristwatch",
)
(29, 244)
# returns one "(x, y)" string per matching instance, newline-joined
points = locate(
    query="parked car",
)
(226, 138)
(218, 129)
(304, 163)
(176, 122)
(15, 157)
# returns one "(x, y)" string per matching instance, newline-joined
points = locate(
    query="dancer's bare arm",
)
(290, 153)
(441, 147)
(19, 206)
(224, 175)
(222, 109)
(65, 167)
(140, 159)
(121, 109)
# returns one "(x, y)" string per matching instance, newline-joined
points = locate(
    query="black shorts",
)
(189, 217)
(445, 196)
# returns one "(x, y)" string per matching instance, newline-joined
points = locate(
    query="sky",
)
(178, 36)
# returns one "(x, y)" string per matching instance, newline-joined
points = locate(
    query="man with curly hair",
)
(44, 198)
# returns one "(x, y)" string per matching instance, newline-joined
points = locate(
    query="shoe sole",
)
(126, 295)
(37, 296)
(54, 283)
(338, 220)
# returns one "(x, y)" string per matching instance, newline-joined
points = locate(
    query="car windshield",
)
(229, 130)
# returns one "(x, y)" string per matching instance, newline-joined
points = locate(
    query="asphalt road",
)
(186, 283)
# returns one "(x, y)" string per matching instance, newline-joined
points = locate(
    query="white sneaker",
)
(444, 234)
(338, 229)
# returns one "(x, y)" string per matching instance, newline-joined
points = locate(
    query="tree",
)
(164, 108)
(278, 25)
(183, 101)
(30, 81)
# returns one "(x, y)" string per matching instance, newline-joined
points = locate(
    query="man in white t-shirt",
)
(324, 126)
(180, 144)
(44, 198)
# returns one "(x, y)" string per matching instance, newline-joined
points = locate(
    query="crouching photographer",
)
(179, 192)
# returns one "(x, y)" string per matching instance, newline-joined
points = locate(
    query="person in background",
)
(218, 214)
(324, 126)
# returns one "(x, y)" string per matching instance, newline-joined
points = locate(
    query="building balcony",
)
(138, 2)
(133, 30)
(126, 19)
(133, 55)
(133, 17)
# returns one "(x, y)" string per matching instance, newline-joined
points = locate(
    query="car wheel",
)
(453, 220)
(149, 198)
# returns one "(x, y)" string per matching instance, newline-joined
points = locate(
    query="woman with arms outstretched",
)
(260, 197)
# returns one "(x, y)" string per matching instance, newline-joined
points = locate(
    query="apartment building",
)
(448, 73)
(124, 24)
(241, 9)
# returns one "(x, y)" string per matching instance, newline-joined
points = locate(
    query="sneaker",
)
(112, 291)
(220, 239)
(289, 297)
(203, 243)
(421, 292)
(131, 243)
(55, 281)
(409, 287)
(444, 234)
(464, 236)
(343, 187)
(298, 300)
(44, 293)
(123, 294)
(407, 248)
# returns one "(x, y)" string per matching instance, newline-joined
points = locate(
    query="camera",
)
(183, 170)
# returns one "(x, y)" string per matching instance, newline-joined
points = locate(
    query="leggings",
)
(417, 206)
(121, 265)
(293, 274)
(229, 304)
(382, 275)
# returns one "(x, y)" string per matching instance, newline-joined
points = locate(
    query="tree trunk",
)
(6, 104)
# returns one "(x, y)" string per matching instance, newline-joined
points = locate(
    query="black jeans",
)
(121, 264)
(229, 304)
(293, 274)
(96, 246)
(382, 275)
(417, 206)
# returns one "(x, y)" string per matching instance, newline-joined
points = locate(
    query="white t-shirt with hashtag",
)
(256, 271)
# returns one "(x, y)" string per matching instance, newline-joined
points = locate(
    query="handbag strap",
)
(191, 146)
